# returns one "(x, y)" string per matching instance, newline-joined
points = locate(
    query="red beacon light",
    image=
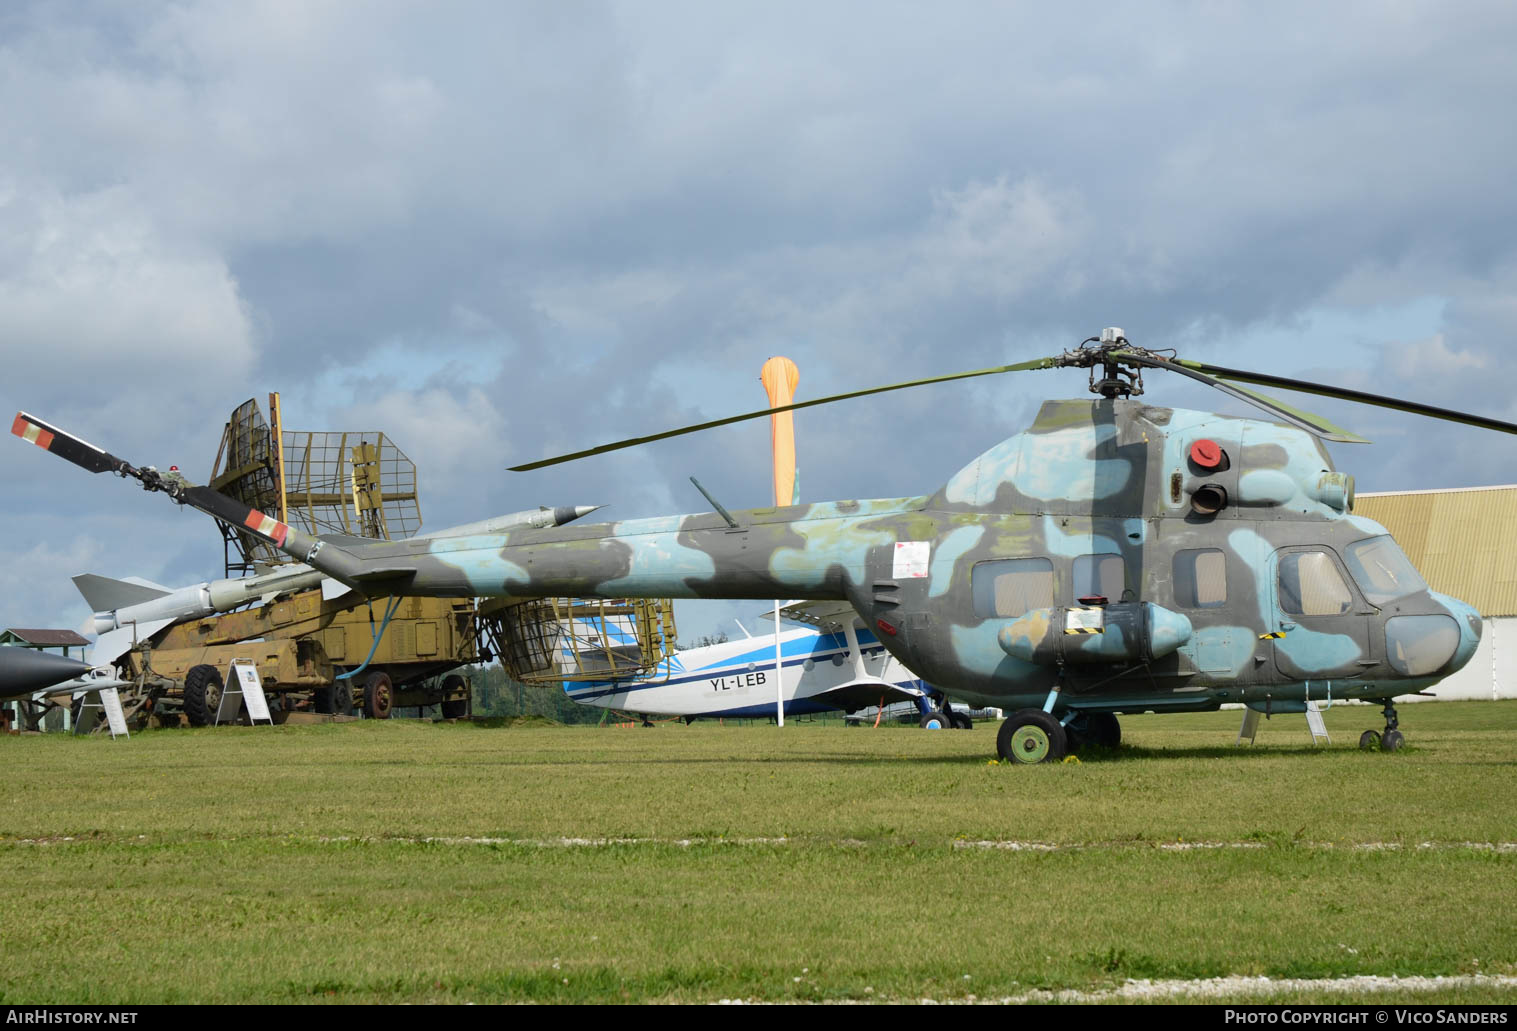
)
(1206, 453)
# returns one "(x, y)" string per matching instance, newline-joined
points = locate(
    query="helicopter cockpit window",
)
(1382, 570)
(1310, 585)
(1200, 579)
(1099, 576)
(1012, 586)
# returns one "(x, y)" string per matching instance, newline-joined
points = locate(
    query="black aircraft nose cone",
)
(24, 670)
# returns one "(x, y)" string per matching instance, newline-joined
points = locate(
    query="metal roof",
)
(49, 638)
(1463, 541)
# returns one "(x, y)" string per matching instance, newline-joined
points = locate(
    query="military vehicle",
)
(1114, 558)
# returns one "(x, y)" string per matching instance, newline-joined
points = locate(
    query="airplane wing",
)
(863, 693)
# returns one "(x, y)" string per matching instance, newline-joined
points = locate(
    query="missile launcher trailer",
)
(300, 645)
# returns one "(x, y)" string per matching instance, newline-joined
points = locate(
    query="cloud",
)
(500, 231)
(91, 287)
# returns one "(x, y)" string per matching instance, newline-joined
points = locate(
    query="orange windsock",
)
(780, 377)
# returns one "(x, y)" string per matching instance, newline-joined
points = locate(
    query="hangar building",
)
(1464, 542)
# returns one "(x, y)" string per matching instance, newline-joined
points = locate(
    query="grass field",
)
(404, 861)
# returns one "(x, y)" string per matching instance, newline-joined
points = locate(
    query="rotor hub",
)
(1112, 354)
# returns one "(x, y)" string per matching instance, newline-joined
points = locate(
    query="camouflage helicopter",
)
(1113, 558)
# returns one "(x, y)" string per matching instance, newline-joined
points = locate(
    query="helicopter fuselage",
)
(1113, 557)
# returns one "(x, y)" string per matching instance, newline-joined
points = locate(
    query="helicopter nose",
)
(1470, 625)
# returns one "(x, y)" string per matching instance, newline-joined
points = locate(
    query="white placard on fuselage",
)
(911, 560)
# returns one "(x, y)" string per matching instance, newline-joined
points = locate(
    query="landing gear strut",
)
(1388, 741)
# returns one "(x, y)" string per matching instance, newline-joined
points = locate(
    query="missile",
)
(25, 671)
(129, 611)
(532, 518)
(122, 603)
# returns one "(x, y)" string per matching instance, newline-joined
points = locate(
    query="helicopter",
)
(1114, 558)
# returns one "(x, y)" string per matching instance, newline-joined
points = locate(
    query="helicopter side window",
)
(1011, 587)
(1200, 579)
(1382, 570)
(1099, 576)
(1310, 585)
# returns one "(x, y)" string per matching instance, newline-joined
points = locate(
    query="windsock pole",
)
(780, 378)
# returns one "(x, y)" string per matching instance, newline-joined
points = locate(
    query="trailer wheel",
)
(202, 695)
(459, 708)
(377, 695)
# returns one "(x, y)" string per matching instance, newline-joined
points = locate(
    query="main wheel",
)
(960, 720)
(458, 708)
(1031, 736)
(1370, 741)
(1391, 741)
(377, 696)
(202, 695)
(934, 721)
(1103, 730)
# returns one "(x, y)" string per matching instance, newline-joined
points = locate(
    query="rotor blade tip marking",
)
(266, 526)
(31, 432)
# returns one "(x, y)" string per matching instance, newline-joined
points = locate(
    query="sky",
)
(503, 231)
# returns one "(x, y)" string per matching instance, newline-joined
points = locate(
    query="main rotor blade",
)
(87, 456)
(1378, 400)
(1038, 363)
(1308, 421)
(66, 446)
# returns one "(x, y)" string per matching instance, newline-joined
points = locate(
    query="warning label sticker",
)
(911, 560)
(1086, 621)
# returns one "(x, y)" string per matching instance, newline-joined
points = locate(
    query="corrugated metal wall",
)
(1464, 542)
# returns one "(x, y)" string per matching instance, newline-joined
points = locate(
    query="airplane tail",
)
(103, 594)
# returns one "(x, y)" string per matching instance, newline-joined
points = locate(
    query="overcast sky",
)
(498, 231)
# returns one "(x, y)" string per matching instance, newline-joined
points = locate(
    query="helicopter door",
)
(1325, 623)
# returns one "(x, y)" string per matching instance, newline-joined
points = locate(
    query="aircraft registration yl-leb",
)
(1115, 557)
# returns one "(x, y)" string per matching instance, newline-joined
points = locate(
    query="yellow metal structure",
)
(323, 482)
(547, 641)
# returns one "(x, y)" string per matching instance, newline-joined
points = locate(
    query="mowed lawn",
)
(407, 861)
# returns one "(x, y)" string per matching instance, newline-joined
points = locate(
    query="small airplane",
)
(831, 664)
(1114, 558)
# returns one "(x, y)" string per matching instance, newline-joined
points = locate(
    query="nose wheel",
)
(1390, 740)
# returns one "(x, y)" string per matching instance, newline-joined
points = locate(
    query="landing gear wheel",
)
(377, 695)
(960, 721)
(1103, 730)
(934, 721)
(1369, 741)
(202, 695)
(459, 708)
(1031, 736)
